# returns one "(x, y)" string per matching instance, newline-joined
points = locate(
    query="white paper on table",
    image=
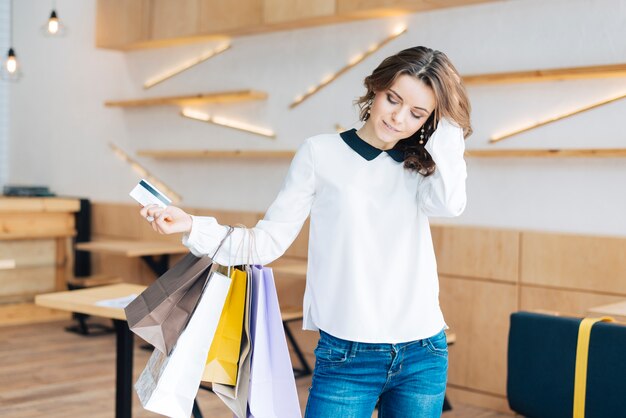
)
(117, 302)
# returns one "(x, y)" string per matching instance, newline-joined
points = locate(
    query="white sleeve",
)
(443, 192)
(274, 233)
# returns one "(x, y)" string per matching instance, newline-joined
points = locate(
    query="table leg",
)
(124, 373)
(306, 369)
(158, 266)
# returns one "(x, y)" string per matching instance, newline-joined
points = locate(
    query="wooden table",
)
(615, 310)
(84, 301)
(147, 250)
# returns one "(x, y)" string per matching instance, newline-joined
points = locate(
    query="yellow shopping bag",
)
(221, 363)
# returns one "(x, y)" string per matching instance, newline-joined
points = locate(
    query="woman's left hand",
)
(167, 221)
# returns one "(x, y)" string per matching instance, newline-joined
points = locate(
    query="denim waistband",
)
(354, 346)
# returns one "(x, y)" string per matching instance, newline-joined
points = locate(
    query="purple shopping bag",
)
(272, 390)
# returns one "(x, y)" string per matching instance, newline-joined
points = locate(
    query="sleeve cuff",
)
(447, 142)
(204, 237)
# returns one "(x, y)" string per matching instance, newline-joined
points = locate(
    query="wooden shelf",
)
(129, 25)
(572, 73)
(194, 99)
(549, 153)
(242, 154)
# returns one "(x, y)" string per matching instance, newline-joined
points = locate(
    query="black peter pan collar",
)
(367, 151)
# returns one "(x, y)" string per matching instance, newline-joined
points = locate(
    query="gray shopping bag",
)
(161, 312)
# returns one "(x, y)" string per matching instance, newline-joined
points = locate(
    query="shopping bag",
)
(221, 363)
(236, 397)
(169, 383)
(160, 313)
(272, 384)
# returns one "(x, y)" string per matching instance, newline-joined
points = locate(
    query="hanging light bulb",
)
(53, 27)
(11, 70)
(53, 23)
(11, 62)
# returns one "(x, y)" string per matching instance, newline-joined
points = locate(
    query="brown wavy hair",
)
(435, 70)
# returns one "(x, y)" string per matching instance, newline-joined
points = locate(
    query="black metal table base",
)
(124, 372)
(158, 265)
(304, 369)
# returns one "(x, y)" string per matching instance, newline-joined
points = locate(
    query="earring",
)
(422, 136)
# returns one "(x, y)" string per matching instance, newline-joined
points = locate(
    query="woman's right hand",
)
(170, 220)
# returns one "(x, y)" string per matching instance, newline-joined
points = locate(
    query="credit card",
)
(147, 194)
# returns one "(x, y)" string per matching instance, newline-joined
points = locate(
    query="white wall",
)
(4, 92)
(60, 129)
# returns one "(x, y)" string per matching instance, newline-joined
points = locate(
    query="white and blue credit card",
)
(147, 194)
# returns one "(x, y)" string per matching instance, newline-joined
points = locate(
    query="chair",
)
(541, 367)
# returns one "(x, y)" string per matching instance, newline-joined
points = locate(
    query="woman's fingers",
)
(161, 225)
(164, 220)
(144, 211)
(148, 210)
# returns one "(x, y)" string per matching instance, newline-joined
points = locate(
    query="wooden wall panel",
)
(122, 22)
(381, 8)
(562, 301)
(219, 15)
(122, 221)
(27, 281)
(129, 269)
(574, 261)
(478, 313)
(44, 224)
(485, 253)
(173, 19)
(280, 11)
(30, 253)
(116, 220)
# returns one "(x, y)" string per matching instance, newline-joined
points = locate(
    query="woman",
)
(372, 286)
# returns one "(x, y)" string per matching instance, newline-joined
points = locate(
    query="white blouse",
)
(372, 274)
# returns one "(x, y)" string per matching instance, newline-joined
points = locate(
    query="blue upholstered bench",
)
(541, 367)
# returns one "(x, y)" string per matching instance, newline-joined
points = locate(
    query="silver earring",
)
(422, 136)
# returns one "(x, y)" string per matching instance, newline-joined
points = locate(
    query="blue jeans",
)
(406, 380)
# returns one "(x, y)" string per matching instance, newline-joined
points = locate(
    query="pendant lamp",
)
(11, 70)
(54, 27)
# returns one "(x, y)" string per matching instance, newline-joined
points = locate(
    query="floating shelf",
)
(549, 153)
(353, 62)
(194, 99)
(553, 119)
(241, 154)
(572, 73)
(141, 170)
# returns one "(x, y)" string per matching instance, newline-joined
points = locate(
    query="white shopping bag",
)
(168, 385)
(272, 392)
